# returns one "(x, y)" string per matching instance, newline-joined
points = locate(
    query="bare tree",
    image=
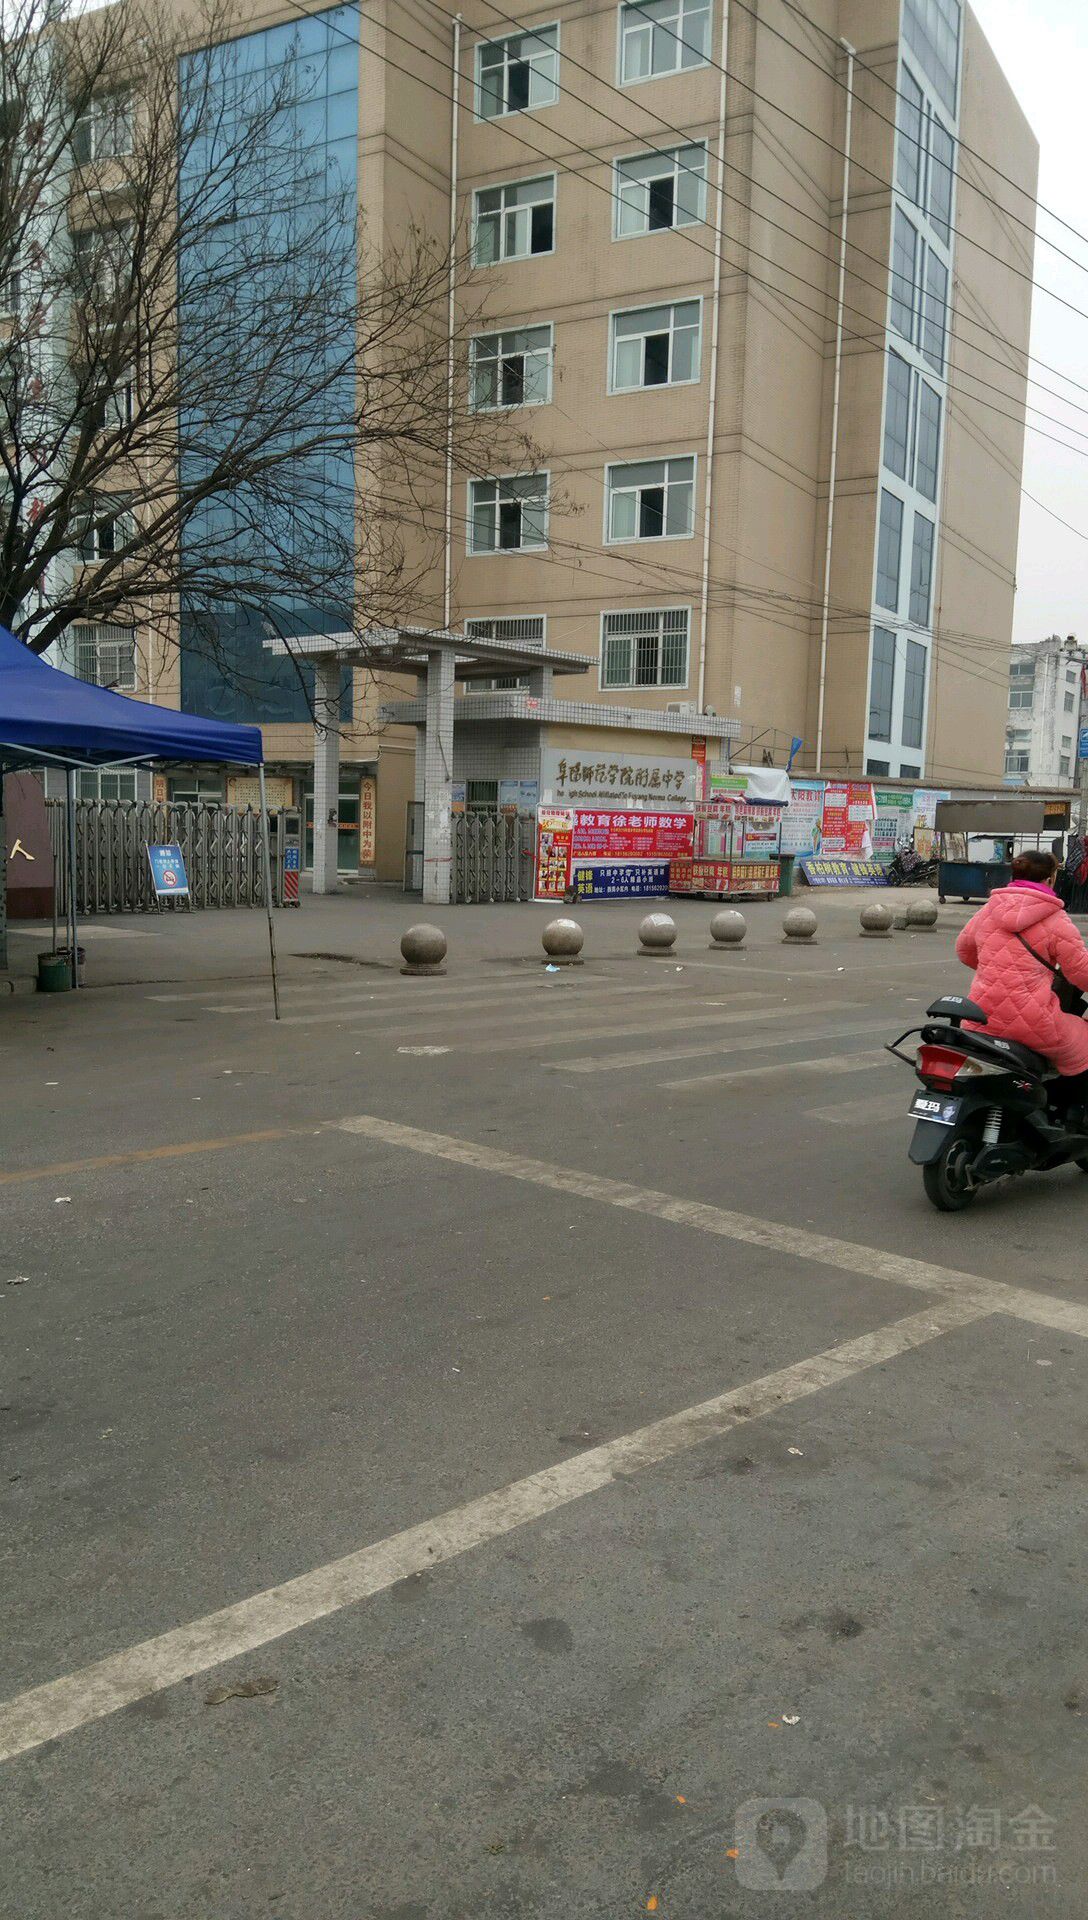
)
(214, 394)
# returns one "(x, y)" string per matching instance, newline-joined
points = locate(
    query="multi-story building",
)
(1046, 701)
(757, 280)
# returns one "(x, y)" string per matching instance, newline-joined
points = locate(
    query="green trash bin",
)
(54, 973)
(785, 871)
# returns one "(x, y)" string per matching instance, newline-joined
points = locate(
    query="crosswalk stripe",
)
(389, 980)
(752, 1043)
(571, 1036)
(737, 1076)
(849, 1113)
(540, 1003)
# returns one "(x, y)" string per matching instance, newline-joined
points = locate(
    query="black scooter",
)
(987, 1109)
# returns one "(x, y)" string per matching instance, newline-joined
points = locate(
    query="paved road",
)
(520, 1445)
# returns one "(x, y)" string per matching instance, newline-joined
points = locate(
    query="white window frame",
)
(503, 353)
(502, 187)
(11, 291)
(534, 61)
(642, 686)
(97, 638)
(621, 178)
(95, 510)
(499, 480)
(503, 682)
(665, 460)
(625, 313)
(101, 113)
(643, 26)
(93, 776)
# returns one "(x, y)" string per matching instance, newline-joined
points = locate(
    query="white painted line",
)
(559, 1036)
(852, 1113)
(753, 1043)
(61, 1706)
(993, 1296)
(737, 1076)
(549, 1001)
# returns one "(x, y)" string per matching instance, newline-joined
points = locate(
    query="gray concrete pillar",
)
(326, 773)
(437, 776)
(540, 683)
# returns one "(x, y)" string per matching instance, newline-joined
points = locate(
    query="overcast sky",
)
(1044, 51)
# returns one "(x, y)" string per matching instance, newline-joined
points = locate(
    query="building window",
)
(904, 268)
(656, 191)
(1063, 766)
(663, 36)
(509, 515)
(646, 649)
(106, 656)
(112, 783)
(910, 773)
(104, 525)
(655, 346)
(931, 30)
(652, 500)
(521, 630)
(1016, 760)
(512, 369)
(519, 72)
(935, 311)
(889, 550)
(197, 789)
(1021, 696)
(914, 694)
(102, 258)
(897, 416)
(882, 685)
(908, 159)
(878, 766)
(1022, 683)
(921, 570)
(928, 440)
(11, 287)
(515, 221)
(103, 130)
(942, 161)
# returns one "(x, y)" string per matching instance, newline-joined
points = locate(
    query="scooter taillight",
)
(938, 1066)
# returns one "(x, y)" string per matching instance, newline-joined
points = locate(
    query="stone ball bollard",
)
(562, 943)
(799, 927)
(424, 949)
(922, 916)
(657, 936)
(876, 921)
(727, 929)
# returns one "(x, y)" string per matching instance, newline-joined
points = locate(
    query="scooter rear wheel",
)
(945, 1179)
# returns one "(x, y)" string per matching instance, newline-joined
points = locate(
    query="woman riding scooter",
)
(1016, 942)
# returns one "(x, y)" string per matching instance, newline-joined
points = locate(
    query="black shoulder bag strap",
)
(1070, 998)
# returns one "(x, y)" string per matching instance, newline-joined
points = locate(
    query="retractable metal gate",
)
(221, 846)
(492, 857)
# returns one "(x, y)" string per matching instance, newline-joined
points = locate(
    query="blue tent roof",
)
(47, 716)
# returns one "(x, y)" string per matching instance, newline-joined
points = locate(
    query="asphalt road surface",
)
(520, 1444)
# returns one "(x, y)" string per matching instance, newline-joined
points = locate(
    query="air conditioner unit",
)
(681, 706)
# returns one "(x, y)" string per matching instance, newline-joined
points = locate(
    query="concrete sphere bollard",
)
(424, 949)
(799, 927)
(657, 936)
(922, 916)
(876, 921)
(562, 942)
(727, 929)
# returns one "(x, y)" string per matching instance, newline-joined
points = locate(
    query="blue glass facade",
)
(261, 196)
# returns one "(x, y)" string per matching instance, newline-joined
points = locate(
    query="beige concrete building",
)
(757, 281)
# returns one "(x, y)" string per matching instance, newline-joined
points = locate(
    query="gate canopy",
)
(47, 717)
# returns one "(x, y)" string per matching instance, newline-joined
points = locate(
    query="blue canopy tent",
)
(47, 718)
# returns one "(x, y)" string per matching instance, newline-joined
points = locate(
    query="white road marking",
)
(737, 1076)
(61, 1706)
(753, 1043)
(851, 1113)
(569, 1035)
(425, 998)
(558, 1002)
(993, 1296)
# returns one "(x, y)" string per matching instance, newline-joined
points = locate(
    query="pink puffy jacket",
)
(1013, 989)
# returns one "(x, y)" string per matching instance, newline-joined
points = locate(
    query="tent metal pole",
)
(70, 780)
(267, 856)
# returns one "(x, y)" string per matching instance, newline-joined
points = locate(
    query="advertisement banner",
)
(519, 796)
(621, 882)
(894, 823)
(724, 876)
(841, 870)
(803, 819)
(554, 832)
(368, 820)
(847, 816)
(631, 836)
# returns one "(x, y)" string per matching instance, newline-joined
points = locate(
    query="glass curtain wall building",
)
(915, 389)
(298, 176)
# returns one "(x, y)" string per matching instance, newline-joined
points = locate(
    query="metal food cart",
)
(735, 852)
(968, 873)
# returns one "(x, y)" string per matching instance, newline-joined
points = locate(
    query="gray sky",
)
(1044, 51)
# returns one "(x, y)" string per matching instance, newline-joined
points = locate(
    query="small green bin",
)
(54, 973)
(785, 874)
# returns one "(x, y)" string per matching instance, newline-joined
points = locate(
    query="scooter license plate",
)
(936, 1107)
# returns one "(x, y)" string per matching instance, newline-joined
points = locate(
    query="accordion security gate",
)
(221, 848)
(493, 857)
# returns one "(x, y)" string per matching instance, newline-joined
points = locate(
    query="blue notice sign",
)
(621, 880)
(1082, 747)
(168, 875)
